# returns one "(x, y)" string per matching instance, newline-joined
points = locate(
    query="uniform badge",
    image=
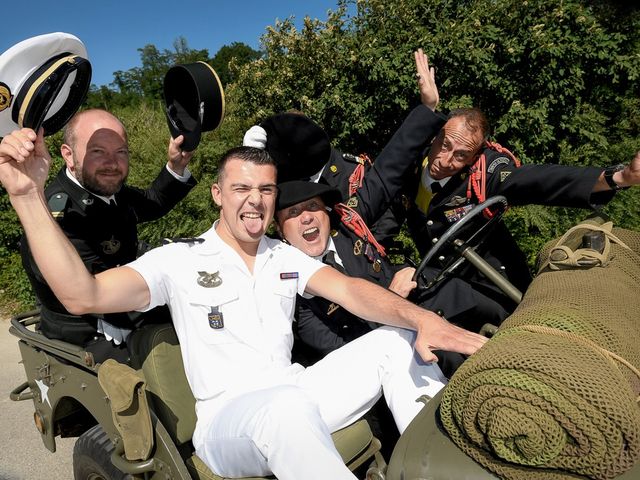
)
(368, 252)
(333, 233)
(457, 213)
(288, 275)
(5, 96)
(333, 169)
(216, 320)
(87, 201)
(332, 308)
(352, 202)
(503, 176)
(110, 246)
(209, 280)
(377, 265)
(357, 247)
(496, 162)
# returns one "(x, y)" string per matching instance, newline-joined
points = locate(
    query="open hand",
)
(436, 333)
(426, 80)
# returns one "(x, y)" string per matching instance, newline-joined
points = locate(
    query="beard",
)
(97, 184)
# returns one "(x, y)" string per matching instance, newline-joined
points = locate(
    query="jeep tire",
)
(92, 457)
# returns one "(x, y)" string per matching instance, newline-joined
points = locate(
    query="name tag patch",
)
(288, 275)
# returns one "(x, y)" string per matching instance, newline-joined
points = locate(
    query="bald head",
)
(96, 151)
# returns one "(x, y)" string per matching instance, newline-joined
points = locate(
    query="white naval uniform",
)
(257, 413)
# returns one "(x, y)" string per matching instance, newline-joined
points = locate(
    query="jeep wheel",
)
(92, 457)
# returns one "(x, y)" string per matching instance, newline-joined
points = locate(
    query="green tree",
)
(558, 81)
(239, 53)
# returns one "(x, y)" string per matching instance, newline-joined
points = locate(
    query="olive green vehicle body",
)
(74, 402)
(62, 381)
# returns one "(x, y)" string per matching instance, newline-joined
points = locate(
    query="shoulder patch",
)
(496, 162)
(57, 204)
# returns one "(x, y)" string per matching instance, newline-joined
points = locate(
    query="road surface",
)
(23, 456)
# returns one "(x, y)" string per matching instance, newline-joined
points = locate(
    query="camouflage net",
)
(554, 394)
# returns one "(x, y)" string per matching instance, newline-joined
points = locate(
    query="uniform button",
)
(435, 240)
(429, 222)
(441, 258)
(502, 267)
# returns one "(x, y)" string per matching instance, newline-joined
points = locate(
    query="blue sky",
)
(112, 31)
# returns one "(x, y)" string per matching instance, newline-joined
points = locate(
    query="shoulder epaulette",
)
(191, 240)
(351, 158)
(57, 204)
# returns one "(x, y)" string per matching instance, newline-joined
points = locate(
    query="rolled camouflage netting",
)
(554, 394)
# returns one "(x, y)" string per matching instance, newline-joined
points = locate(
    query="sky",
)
(112, 31)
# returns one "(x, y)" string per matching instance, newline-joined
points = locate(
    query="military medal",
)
(457, 213)
(357, 247)
(377, 265)
(216, 321)
(368, 251)
(209, 280)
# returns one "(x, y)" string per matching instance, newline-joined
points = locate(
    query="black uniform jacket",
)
(322, 325)
(336, 174)
(553, 185)
(105, 236)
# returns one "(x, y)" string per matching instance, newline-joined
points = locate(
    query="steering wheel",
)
(461, 236)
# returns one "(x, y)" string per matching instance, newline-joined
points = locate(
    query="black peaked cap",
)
(299, 146)
(296, 191)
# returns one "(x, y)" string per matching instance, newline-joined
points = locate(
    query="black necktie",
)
(330, 259)
(435, 187)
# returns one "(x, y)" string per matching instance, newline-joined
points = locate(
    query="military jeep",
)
(62, 381)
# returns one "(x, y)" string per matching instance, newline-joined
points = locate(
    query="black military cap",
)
(194, 102)
(43, 82)
(296, 191)
(299, 146)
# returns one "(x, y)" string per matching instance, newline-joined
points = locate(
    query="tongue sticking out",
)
(253, 223)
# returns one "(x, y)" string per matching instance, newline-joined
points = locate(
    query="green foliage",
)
(238, 53)
(558, 81)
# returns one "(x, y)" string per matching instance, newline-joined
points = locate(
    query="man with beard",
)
(99, 214)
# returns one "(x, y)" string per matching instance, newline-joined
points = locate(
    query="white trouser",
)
(285, 429)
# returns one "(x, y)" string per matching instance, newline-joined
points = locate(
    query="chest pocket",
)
(214, 321)
(285, 293)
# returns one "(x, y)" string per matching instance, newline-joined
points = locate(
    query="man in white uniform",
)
(232, 297)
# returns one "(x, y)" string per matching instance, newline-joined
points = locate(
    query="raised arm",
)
(24, 164)
(372, 302)
(628, 176)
